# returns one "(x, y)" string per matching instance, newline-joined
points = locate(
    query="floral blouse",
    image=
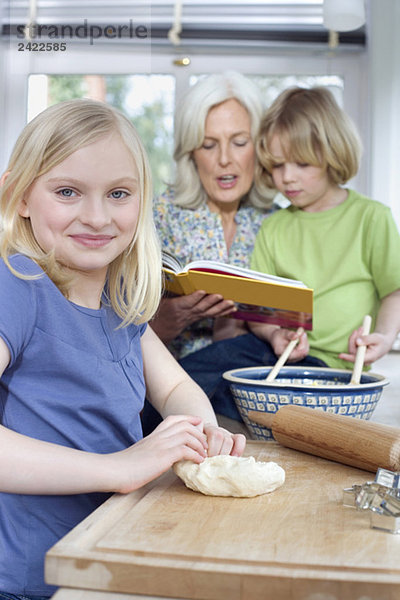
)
(192, 234)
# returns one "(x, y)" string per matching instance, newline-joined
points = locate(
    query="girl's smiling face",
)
(86, 208)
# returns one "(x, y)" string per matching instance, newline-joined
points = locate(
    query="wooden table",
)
(297, 543)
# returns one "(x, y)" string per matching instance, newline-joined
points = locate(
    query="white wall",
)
(384, 93)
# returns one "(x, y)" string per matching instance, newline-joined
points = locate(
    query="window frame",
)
(79, 59)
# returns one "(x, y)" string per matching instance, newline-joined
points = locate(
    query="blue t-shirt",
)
(74, 379)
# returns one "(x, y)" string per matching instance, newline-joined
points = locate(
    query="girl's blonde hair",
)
(134, 278)
(190, 118)
(313, 129)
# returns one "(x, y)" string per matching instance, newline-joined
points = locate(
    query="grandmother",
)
(212, 211)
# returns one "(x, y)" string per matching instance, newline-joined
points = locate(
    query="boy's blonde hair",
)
(134, 278)
(190, 119)
(313, 129)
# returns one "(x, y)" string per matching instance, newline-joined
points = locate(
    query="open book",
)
(258, 296)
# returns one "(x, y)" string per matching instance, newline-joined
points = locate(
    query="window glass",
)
(273, 85)
(148, 100)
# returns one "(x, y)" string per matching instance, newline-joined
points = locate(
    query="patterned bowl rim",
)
(232, 377)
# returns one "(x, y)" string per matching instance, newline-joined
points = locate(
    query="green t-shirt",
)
(349, 255)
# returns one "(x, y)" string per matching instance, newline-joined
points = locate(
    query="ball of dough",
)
(224, 475)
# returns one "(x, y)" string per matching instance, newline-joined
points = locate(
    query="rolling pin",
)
(340, 438)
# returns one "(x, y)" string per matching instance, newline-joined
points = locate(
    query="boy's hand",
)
(377, 344)
(280, 339)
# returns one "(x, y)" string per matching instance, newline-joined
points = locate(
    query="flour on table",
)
(224, 475)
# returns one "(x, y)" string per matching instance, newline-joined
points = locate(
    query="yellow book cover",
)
(258, 296)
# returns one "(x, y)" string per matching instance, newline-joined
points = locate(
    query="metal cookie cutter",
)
(381, 497)
(390, 479)
(350, 495)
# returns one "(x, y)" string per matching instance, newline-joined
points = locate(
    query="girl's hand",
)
(178, 437)
(280, 338)
(221, 441)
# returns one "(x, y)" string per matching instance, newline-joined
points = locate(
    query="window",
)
(149, 100)
(278, 44)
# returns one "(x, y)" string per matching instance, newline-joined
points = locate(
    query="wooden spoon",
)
(283, 357)
(360, 354)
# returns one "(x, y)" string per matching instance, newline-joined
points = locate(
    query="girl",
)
(79, 279)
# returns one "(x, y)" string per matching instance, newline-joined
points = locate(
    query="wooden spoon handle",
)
(283, 357)
(360, 354)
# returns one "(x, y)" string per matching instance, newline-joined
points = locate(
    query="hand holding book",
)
(258, 296)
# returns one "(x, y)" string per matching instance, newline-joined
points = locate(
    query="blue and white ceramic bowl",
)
(319, 388)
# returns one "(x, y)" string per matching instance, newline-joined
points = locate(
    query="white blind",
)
(284, 20)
